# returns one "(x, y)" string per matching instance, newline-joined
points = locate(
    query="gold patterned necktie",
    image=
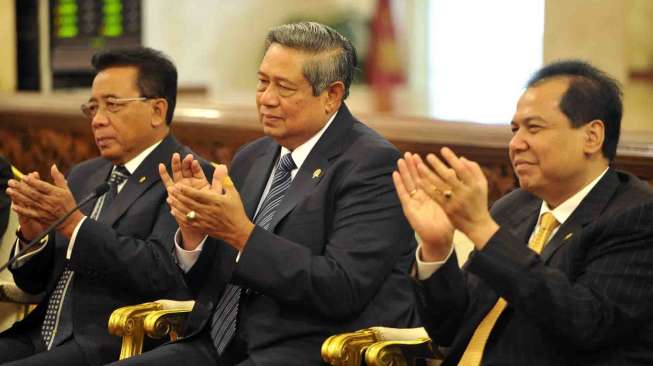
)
(474, 351)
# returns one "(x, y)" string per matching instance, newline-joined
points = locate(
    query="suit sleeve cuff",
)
(25, 257)
(187, 258)
(423, 270)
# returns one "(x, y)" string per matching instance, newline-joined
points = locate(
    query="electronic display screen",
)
(79, 28)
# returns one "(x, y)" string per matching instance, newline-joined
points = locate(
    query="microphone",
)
(97, 192)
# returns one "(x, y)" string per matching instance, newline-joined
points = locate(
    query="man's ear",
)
(334, 95)
(159, 111)
(594, 136)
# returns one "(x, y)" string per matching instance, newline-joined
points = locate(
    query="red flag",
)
(384, 68)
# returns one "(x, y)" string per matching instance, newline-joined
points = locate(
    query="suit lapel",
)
(146, 175)
(327, 147)
(302, 184)
(258, 177)
(520, 223)
(98, 177)
(589, 209)
(523, 222)
(521, 217)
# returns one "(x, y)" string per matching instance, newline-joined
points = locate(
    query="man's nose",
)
(269, 96)
(100, 118)
(517, 142)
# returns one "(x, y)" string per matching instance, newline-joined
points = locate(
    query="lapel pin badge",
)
(142, 179)
(569, 236)
(317, 173)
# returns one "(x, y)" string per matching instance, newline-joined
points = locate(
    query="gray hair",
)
(334, 55)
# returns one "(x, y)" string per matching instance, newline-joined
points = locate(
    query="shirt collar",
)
(565, 209)
(301, 152)
(134, 163)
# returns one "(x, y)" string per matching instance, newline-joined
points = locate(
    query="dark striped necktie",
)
(223, 326)
(57, 325)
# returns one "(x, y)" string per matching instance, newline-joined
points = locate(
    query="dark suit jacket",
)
(586, 300)
(114, 259)
(5, 202)
(336, 257)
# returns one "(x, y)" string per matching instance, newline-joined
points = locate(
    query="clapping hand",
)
(215, 210)
(186, 172)
(460, 188)
(39, 203)
(425, 215)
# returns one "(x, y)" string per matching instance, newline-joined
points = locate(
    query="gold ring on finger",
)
(191, 216)
(447, 194)
(412, 193)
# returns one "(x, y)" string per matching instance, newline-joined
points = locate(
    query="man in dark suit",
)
(317, 245)
(114, 252)
(563, 266)
(5, 202)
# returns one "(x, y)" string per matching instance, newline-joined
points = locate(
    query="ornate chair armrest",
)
(169, 321)
(347, 349)
(381, 345)
(399, 334)
(129, 322)
(387, 353)
(9, 292)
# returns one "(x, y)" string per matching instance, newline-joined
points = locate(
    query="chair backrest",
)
(9, 312)
(7, 243)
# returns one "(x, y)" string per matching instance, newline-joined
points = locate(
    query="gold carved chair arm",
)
(347, 349)
(129, 322)
(379, 346)
(401, 353)
(169, 321)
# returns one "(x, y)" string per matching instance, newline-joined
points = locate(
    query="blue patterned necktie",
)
(223, 326)
(57, 325)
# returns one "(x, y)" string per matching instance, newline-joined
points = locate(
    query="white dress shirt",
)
(187, 258)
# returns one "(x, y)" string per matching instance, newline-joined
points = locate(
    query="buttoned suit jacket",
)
(336, 256)
(125, 258)
(586, 300)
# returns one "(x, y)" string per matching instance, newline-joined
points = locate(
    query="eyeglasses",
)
(111, 105)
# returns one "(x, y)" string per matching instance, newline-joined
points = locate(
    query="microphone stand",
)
(98, 191)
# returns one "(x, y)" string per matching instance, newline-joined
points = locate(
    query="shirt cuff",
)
(25, 257)
(71, 242)
(187, 258)
(424, 270)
